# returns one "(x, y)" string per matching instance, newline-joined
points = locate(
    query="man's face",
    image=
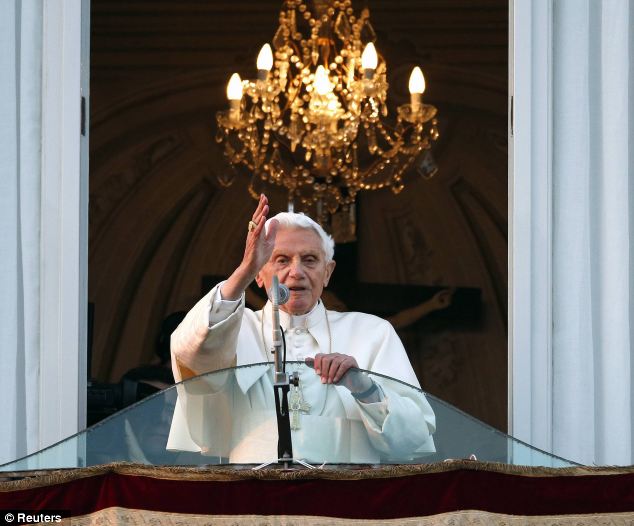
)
(299, 262)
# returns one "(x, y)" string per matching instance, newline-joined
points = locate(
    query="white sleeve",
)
(220, 309)
(200, 347)
(402, 424)
(375, 413)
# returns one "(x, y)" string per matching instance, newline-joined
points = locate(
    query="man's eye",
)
(281, 261)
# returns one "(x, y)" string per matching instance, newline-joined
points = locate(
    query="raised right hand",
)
(259, 245)
(257, 251)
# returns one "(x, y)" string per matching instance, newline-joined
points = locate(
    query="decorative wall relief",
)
(415, 257)
(488, 228)
(107, 193)
(160, 151)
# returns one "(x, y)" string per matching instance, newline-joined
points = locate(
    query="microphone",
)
(283, 293)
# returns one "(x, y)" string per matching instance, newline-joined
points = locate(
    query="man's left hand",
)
(333, 368)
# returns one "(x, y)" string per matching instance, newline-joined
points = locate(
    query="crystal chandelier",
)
(315, 121)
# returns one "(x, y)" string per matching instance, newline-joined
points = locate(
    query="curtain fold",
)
(592, 316)
(20, 158)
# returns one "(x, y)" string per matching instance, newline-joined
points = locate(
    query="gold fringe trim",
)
(116, 516)
(38, 479)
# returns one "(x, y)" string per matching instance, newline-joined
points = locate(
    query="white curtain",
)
(20, 146)
(592, 235)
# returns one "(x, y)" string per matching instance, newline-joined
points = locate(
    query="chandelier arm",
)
(289, 101)
(295, 47)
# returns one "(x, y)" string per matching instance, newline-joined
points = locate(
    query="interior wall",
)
(160, 220)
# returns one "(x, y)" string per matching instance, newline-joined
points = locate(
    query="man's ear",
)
(330, 267)
(259, 280)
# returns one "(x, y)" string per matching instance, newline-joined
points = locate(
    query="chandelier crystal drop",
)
(315, 120)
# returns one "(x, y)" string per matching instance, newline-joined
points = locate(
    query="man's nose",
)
(296, 268)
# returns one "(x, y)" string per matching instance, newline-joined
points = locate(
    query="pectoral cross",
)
(297, 405)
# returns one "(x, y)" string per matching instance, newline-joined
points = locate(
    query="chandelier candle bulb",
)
(234, 94)
(369, 61)
(264, 62)
(416, 88)
(322, 83)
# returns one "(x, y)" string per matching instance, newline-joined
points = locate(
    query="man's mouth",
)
(297, 289)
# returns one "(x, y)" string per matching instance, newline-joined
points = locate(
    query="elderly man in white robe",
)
(347, 416)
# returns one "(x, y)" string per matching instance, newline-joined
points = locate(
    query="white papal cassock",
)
(232, 414)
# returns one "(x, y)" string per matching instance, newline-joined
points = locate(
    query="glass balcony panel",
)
(229, 417)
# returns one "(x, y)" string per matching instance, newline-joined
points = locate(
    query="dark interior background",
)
(162, 227)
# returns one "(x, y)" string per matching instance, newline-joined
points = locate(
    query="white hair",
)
(301, 220)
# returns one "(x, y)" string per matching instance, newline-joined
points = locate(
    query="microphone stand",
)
(281, 386)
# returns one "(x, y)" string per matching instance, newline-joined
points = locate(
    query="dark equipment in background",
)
(105, 399)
